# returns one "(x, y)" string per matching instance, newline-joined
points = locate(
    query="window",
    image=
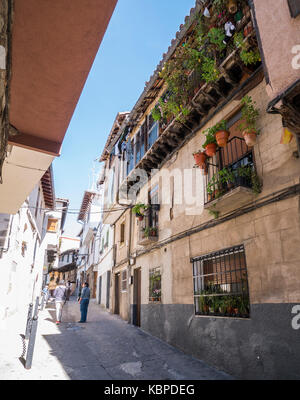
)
(155, 284)
(52, 225)
(153, 129)
(154, 201)
(130, 156)
(122, 233)
(124, 281)
(232, 166)
(106, 238)
(221, 283)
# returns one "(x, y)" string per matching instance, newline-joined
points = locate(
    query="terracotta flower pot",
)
(200, 158)
(140, 217)
(222, 138)
(232, 6)
(248, 29)
(250, 138)
(211, 149)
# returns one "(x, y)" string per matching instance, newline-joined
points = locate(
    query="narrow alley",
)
(105, 348)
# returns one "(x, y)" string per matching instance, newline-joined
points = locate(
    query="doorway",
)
(100, 290)
(136, 317)
(117, 293)
(95, 278)
(107, 289)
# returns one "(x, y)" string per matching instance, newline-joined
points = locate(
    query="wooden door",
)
(100, 290)
(117, 294)
(107, 289)
(137, 298)
(95, 284)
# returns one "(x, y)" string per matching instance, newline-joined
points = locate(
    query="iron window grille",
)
(155, 285)
(234, 158)
(221, 283)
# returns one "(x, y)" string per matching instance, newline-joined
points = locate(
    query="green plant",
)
(139, 208)
(226, 176)
(250, 57)
(248, 172)
(147, 232)
(153, 231)
(250, 115)
(156, 113)
(216, 37)
(210, 70)
(212, 211)
(210, 138)
(219, 5)
(213, 184)
(247, 56)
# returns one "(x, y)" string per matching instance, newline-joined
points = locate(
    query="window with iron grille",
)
(232, 166)
(221, 283)
(155, 284)
(124, 280)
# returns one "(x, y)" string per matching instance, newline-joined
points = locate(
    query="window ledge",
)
(232, 200)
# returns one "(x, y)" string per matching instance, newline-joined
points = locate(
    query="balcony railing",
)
(231, 167)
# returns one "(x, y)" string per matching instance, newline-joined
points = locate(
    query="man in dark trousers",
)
(84, 300)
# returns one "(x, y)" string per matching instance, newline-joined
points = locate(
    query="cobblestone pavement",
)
(104, 348)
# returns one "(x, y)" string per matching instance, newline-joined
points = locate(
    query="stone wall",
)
(5, 63)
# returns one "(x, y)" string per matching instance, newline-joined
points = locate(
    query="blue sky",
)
(139, 32)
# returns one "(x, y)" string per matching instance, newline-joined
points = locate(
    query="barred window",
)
(124, 281)
(221, 283)
(155, 284)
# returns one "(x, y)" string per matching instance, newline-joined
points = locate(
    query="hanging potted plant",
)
(139, 210)
(248, 126)
(153, 231)
(210, 144)
(200, 158)
(221, 133)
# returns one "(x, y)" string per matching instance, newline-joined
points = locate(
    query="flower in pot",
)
(248, 126)
(210, 144)
(139, 210)
(221, 133)
(153, 231)
(227, 177)
(200, 158)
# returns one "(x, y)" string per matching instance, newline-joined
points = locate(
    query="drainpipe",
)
(129, 269)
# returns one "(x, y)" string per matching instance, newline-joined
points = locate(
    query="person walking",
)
(69, 290)
(84, 300)
(51, 287)
(60, 295)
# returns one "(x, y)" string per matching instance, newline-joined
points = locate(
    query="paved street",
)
(104, 348)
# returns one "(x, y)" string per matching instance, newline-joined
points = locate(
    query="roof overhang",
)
(85, 205)
(54, 44)
(48, 188)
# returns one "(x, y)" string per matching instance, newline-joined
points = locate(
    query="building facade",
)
(206, 253)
